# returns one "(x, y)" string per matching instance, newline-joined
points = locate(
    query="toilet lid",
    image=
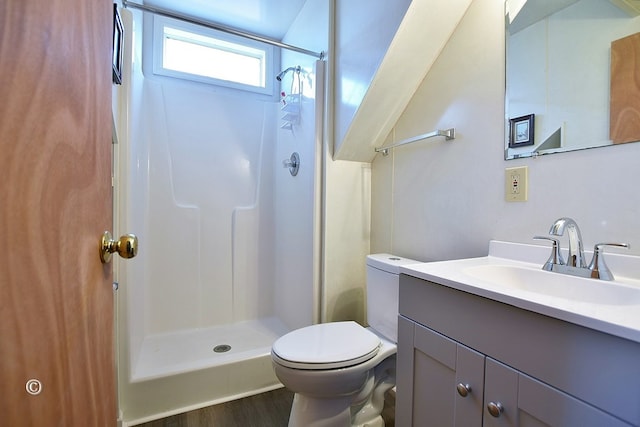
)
(326, 346)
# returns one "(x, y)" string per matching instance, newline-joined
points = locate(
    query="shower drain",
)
(222, 348)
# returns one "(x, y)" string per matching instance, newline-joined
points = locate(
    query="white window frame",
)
(160, 22)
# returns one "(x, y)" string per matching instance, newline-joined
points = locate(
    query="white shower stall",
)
(229, 240)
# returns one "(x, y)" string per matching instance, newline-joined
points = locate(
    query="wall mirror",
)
(573, 75)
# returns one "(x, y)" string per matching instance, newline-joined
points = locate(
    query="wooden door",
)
(624, 98)
(56, 298)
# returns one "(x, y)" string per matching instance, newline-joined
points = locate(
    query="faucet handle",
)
(555, 257)
(598, 267)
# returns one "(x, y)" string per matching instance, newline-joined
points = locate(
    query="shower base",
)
(176, 353)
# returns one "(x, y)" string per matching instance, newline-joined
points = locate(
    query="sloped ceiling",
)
(423, 33)
(530, 12)
(523, 13)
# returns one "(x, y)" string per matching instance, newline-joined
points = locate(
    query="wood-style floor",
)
(263, 410)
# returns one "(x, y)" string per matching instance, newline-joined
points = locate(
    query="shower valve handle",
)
(293, 163)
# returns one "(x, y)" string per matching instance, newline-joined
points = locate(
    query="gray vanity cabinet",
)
(461, 356)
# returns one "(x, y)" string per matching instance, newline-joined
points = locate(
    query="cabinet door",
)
(469, 377)
(500, 391)
(542, 405)
(429, 369)
(527, 402)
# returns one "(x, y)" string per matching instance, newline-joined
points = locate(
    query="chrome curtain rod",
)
(449, 134)
(229, 30)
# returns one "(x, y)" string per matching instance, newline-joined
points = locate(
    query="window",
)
(201, 54)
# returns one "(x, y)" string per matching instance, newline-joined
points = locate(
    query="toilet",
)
(340, 371)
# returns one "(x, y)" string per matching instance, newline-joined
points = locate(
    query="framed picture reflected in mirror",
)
(521, 131)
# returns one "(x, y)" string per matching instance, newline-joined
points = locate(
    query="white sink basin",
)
(511, 273)
(556, 285)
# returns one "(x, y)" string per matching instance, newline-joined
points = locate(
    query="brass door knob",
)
(126, 246)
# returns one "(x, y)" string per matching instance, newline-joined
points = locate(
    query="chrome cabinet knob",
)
(463, 389)
(495, 409)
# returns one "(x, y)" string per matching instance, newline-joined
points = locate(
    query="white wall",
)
(378, 61)
(298, 199)
(341, 215)
(443, 200)
(346, 185)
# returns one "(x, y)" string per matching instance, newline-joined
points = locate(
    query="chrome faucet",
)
(575, 264)
(576, 251)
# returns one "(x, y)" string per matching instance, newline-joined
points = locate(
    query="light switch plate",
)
(516, 182)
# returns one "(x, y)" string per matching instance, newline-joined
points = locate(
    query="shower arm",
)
(297, 69)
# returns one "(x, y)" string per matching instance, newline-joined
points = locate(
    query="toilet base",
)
(368, 412)
(310, 412)
(364, 409)
(313, 412)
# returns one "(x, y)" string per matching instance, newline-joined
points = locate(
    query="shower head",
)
(282, 73)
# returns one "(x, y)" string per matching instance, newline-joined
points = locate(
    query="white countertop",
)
(620, 319)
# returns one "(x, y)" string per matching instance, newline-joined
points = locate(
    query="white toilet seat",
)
(326, 346)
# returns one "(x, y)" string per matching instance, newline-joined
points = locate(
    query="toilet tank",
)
(383, 285)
